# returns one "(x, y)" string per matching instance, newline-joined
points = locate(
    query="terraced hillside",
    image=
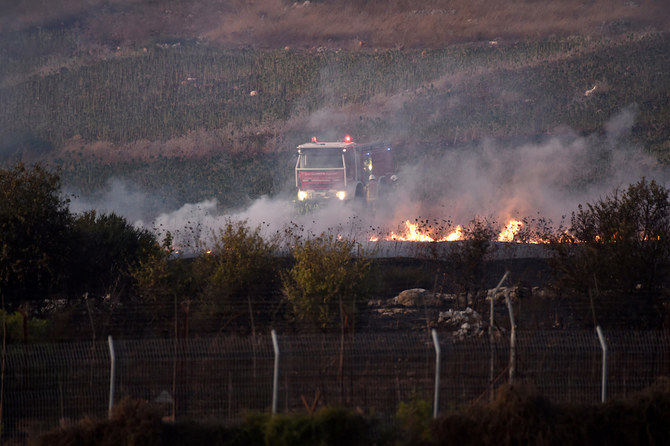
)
(206, 101)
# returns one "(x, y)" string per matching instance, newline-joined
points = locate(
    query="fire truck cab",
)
(341, 171)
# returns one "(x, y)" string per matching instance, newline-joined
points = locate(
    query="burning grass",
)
(519, 231)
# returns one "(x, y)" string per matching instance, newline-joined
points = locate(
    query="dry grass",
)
(341, 23)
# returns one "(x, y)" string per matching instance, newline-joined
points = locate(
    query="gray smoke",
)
(547, 179)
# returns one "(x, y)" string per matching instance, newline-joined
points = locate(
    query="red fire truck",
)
(342, 170)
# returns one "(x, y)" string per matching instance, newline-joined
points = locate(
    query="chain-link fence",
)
(223, 377)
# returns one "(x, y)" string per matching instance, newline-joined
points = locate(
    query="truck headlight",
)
(302, 195)
(341, 194)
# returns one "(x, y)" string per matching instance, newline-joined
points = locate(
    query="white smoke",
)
(548, 179)
(193, 226)
(119, 197)
(492, 180)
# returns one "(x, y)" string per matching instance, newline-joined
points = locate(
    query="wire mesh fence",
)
(222, 378)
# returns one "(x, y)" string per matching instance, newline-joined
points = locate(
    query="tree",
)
(34, 225)
(616, 252)
(328, 280)
(239, 274)
(105, 248)
(465, 264)
(163, 282)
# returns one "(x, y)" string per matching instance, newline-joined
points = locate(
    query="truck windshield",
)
(316, 159)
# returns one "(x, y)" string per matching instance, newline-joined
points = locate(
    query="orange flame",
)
(414, 233)
(456, 234)
(511, 230)
(411, 235)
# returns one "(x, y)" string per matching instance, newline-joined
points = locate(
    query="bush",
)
(34, 330)
(105, 249)
(520, 416)
(328, 281)
(415, 419)
(330, 426)
(239, 274)
(133, 422)
(464, 266)
(617, 253)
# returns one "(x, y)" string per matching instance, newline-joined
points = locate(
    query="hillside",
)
(207, 100)
(346, 24)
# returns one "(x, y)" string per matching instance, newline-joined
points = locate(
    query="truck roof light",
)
(313, 138)
(347, 138)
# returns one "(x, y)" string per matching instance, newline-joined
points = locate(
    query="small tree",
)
(328, 281)
(618, 249)
(164, 282)
(239, 273)
(465, 264)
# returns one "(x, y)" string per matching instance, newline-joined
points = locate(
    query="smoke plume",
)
(495, 180)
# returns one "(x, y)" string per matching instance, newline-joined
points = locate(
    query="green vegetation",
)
(47, 251)
(518, 415)
(613, 257)
(105, 248)
(328, 281)
(23, 329)
(34, 226)
(241, 270)
(617, 250)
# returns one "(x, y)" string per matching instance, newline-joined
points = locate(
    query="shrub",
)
(34, 330)
(329, 426)
(618, 250)
(328, 280)
(239, 274)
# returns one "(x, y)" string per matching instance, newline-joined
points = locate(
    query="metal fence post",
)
(491, 336)
(112, 374)
(512, 340)
(603, 346)
(436, 399)
(275, 379)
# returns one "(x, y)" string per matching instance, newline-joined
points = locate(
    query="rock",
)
(410, 298)
(464, 323)
(420, 297)
(515, 293)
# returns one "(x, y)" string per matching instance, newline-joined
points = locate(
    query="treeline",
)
(74, 269)
(65, 275)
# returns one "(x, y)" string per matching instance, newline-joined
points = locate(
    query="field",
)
(183, 107)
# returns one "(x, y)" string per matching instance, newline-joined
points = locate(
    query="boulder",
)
(462, 323)
(515, 293)
(419, 297)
